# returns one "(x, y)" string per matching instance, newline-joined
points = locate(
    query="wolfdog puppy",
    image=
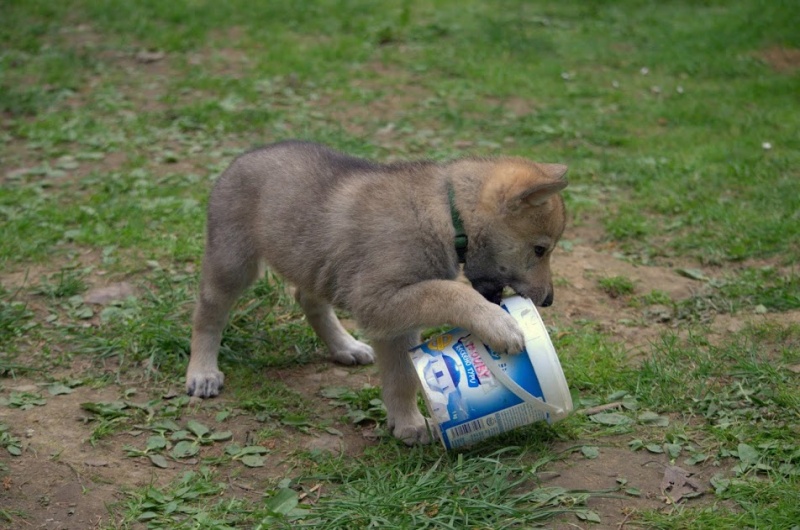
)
(383, 242)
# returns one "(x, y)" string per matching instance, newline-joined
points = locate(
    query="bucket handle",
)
(512, 385)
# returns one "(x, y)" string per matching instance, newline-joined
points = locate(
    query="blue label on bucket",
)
(462, 393)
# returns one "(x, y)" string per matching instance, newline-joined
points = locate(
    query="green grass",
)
(682, 143)
(616, 286)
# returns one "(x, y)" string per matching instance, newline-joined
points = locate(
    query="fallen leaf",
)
(678, 484)
(109, 293)
(57, 389)
(590, 452)
(694, 274)
(611, 418)
(147, 56)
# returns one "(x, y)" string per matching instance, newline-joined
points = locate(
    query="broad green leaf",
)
(673, 450)
(184, 449)
(197, 428)
(588, 515)
(180, 435)
(158, 461)
(651, 418)
(748, 454)
(254, 450)
(221, 436)
(147, 516)
(156, 442)
(590, 452)
(696, 459)
(611, 418)
(694, 274)
(283, 502)
(253, 461)
(166, 426)
(58, 389)
(233, 449)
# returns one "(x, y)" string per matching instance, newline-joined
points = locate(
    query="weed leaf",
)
(154, 443)
(254, 450)
(651, 418)
(158, 461)
(58, 389)
(197, 428)
(748, 454)
(611, 418)
(590, 452)
(673, 450)
(253, 461)
(283, 502)
(693, 274)
(221, 436)
(184, 449)
(588, 515)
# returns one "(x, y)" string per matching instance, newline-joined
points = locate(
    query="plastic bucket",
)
(474, 393)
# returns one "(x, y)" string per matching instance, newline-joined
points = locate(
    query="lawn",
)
(677, 304)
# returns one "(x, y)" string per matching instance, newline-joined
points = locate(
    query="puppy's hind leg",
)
(400, 385)
(342, 346)
(223, 279)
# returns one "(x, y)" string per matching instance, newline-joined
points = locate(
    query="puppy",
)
(384, 242)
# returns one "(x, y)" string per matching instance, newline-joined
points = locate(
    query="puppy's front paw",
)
(501, 332)
(412, 430)
(355, 352)
(204, 384)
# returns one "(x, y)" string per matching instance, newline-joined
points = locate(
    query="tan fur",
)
(377, 241)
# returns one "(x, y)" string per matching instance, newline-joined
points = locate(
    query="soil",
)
(786, 60)
(62, 481)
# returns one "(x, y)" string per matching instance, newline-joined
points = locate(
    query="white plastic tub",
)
(474, 393)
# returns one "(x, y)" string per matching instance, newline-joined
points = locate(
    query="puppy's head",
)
(519, 218)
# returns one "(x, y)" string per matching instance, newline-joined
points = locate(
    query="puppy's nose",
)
(548, 301)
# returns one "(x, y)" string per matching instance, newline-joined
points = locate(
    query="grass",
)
(679, 128)
(616, 286)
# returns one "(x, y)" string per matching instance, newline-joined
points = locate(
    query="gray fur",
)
(377, 241)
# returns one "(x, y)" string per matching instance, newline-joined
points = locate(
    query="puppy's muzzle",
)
(492, 290)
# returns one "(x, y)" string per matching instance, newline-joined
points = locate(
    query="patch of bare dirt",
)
(784, 60)
(578, 295)
(617, 466)
(62, 481)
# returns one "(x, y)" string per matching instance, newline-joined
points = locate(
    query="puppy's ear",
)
(538, 195)
(514, 186)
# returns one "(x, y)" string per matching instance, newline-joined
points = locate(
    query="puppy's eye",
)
(540, 251)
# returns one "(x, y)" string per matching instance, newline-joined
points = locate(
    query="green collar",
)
(461, 235)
